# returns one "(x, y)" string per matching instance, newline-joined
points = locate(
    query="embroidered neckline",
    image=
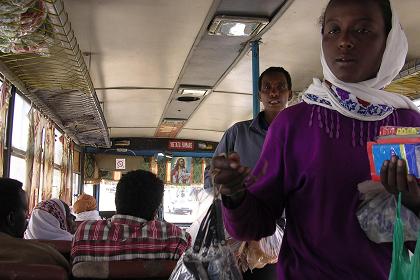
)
(351, 103)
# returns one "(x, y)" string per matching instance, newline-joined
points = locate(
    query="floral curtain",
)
(197, 170)
(4, 106)
(162, 169)
(34, 157)
(91, 170)
(48, 160)
(66, 170)
(145, 164)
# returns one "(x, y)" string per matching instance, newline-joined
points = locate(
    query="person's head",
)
(84, 203)
(70, 219)
(354, 36)
(180, 162)
(13, 207)
(275, 88)
(51, 220)
(139, 193)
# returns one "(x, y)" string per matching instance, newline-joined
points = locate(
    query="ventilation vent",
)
(187, 98)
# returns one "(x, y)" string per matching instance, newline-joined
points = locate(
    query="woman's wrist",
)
(234, 200)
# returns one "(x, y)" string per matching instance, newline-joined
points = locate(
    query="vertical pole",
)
(96, 192)
(9, 133)
(255, 76)
(82, 170)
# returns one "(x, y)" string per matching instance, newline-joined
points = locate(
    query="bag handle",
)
(203, 229)
(220, 229)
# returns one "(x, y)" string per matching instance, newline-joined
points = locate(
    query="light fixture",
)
(193, 91)
(237, 26)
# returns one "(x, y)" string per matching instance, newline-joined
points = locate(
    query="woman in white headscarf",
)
(51, 220)
(314, 154)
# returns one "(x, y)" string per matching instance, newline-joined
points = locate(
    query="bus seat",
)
(63, 246)
(19, 271)
(137, 269)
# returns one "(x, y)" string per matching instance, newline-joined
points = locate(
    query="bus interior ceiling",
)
(141, 53)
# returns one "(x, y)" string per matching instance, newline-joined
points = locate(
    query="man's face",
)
(274, 93)
(18, 222)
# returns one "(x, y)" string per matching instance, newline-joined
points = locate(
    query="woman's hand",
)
(395, 179)
(229, 173)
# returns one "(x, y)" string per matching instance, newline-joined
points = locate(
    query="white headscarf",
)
(345, 97)
(48, 222)
(92, 215)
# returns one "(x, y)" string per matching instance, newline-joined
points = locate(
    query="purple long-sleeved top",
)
(311, 162)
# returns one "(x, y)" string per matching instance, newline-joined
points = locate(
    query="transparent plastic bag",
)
(26, 31)
(376, 214)
(257, 254)
(209, 258)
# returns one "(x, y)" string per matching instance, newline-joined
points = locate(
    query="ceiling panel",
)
(221, 110)
(133, 108)
(409, 11)
(204, 135)
(131, 132)
(294, 43)
(136, 43)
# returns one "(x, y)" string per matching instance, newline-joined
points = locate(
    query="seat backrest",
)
(63, 246)
(19, 271)
(141, 269)
(137, 269)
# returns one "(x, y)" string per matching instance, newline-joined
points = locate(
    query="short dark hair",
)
(276, 70)
(139, 193)
(386, 12)
(10, 199)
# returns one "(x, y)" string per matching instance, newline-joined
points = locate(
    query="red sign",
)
(181, 145)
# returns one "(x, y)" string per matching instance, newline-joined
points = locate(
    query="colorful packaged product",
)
(399, 131)
(403, 142)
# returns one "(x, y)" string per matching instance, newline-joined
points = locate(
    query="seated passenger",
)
(85, 208)
(51, 220)
(132, 233)
(13, 249)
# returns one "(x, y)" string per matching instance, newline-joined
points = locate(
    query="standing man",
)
(246, 138)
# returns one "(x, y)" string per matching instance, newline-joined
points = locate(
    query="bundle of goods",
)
(403, 142)
(377, 210)
(23, 27)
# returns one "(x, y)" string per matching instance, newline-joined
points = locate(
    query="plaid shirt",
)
(125, 237)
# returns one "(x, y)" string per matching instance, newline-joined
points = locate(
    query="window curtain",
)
(197, 170)
(4, 106)
(66, 170)
(34, 157)
(48, 160)
(91, 169)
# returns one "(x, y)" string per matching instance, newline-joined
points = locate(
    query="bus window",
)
(20, 124)
(19, 139)
(56, 183)
(107, 195)
(75, 187)
(17, 168)
(88, 189)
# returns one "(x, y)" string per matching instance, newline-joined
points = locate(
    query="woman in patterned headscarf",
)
(51, 220)
(85, 208)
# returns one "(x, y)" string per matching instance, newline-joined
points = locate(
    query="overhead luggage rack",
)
(408, 80)
(40, 55)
